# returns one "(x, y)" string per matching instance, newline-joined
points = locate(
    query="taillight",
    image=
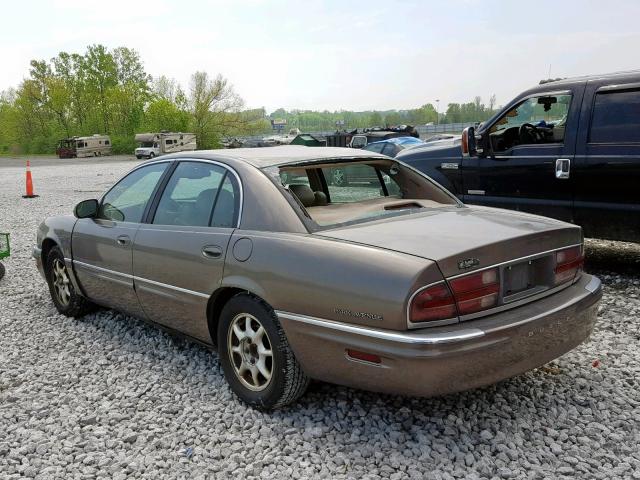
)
(568, 263)
(476, 291)
(433, 303)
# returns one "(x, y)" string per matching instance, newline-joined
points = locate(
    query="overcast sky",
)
(338, 54)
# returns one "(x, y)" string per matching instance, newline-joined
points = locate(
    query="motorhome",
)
(154, 144)
(92, 146)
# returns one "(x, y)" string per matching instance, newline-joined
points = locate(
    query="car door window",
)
(127, 200)
(227, 204)
(190, 194)
(616, 117)
(536, 120)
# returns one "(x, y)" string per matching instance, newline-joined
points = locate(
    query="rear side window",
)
(616, 117)
(198, 195)
(190, 194)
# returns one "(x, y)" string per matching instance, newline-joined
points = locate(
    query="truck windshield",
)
(146, 144)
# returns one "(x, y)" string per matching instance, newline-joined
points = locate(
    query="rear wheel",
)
(2, 270)
(255, 355)
(67, 301)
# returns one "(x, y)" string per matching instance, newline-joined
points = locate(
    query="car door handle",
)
(563, 168)
(212, 251)
(123, 240)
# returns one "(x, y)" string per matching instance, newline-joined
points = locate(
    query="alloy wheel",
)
(61, 282)
(250, 352)
(337, 177)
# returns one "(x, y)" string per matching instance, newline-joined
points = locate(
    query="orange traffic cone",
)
(29, 183)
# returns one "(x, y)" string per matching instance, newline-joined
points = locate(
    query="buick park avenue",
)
(390, 284)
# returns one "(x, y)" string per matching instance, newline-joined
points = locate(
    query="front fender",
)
(56, 231)
(443, 165)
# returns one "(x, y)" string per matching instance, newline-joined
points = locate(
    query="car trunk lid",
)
(463, 239)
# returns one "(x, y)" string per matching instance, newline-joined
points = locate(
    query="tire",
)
(287, 381)
(66, 300)
(339, 177)
(151, 155)
(139, 157)
(2, 270)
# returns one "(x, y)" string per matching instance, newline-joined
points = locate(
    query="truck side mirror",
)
(468, 143)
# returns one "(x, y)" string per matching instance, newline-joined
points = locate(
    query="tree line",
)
(308, 120)
(108, 91)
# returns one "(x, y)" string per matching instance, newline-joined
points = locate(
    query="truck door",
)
(530, 151)
(607, 166)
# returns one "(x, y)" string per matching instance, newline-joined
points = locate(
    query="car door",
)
(101, 246)
(607, 167)
(531, 148)
(179, 252)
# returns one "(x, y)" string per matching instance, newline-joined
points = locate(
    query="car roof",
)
(264, 157)
(399, 140)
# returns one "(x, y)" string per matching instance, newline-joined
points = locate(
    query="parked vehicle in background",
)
(156, 144)
(567, 149)
(93, 146)
(392, 146)
(355, 286)
(280, 139)
(360, 139)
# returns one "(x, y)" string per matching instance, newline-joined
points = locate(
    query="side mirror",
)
(86, 209)
(468, 143)
(358, 141)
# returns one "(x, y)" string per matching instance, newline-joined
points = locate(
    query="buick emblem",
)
(468, 263)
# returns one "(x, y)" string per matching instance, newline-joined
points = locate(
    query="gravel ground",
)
(111, 397)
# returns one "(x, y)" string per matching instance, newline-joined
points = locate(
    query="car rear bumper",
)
(439, 360)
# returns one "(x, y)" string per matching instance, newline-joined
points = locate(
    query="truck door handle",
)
(123, 240)
(212, 251)
(563, 168)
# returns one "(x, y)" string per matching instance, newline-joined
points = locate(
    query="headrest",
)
(320, 199)
(304, 194)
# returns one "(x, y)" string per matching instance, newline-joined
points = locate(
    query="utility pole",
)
(437, 111)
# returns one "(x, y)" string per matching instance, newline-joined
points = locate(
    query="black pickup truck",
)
(568, 149)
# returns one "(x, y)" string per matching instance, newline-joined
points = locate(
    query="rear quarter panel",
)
(328, 279)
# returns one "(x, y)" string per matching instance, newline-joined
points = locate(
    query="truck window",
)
(616, 117)
(536, 120)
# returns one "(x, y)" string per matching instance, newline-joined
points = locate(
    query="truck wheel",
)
(151, 155)
(2, 270)
(66, 300)
(139, 157)
(255, 355)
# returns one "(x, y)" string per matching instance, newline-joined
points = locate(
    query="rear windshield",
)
(337, 193)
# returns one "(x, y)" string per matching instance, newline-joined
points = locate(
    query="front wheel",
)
(151, 155)
(2, 270)
(255, 355)
(66, 300)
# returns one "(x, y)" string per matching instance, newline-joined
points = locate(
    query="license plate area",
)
(523, 279)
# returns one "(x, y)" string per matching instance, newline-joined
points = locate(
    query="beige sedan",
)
(389, 285)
